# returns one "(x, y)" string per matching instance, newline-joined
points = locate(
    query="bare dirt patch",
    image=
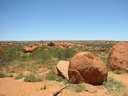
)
(12, 87)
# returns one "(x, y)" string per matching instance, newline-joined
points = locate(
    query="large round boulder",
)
(118, 57)
(86, 67)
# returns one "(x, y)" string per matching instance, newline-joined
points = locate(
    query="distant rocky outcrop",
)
(60, 44)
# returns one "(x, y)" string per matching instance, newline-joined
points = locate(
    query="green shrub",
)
(45, 54)
(61, 53)
(10, 53)
(41, 55)
(25, 56)
(113, 85)
(79, 88)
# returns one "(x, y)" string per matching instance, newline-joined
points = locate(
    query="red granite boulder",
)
(86, 67)
(118, 57)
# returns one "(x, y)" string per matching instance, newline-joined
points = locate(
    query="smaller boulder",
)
(30, 48)
(62, 68)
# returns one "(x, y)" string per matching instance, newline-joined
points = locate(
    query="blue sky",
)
(63, 19)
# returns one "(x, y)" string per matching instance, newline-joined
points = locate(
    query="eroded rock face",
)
(62, 68)
(86, 67)
(118, 57)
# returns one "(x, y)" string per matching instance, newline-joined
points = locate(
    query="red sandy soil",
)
(11, 87)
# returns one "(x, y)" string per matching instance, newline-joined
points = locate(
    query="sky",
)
(63, 19)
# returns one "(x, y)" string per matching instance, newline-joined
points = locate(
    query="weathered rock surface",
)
(62, 68)
(60, 44)
(118, 57)
(86, 67)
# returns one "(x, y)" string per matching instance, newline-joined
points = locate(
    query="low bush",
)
(10, 53)
(61, 53)
(115, 87)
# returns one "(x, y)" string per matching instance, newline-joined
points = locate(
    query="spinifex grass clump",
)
(15, 55)
(53, 76)
(10, 53)
(46, 53)
(77, 87)
(61, 53)
(116, 88)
